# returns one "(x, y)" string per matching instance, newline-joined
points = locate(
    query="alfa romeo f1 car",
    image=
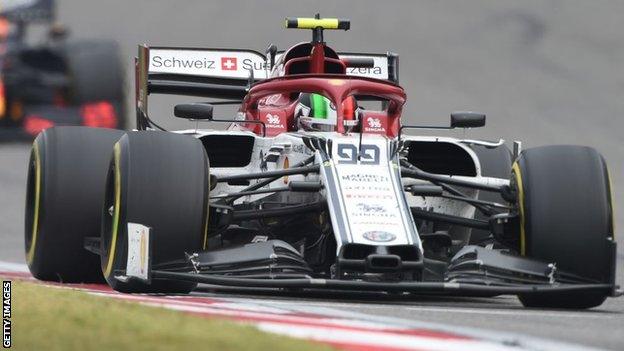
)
(56, 82)
(315, 185)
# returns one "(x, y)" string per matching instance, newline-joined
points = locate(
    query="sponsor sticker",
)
(6, 314)
(237, 63)
(379, 69)
(379, 236)
(207, 63)
(273, 119)
(275, 122)
(229, 64)
(138, 261)
(374, 125)
(372, 210)
(371, 199)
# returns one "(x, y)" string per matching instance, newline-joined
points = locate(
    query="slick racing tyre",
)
(64, 196)
(159, 180)
(495, 162)
(566, 217)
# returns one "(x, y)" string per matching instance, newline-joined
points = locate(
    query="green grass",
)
(46, 318)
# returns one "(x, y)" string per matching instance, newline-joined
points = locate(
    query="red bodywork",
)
(270, 101)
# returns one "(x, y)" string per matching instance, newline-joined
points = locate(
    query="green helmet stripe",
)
(319, 106)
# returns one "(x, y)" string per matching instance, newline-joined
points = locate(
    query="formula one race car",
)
(314, 185)
(55, 82)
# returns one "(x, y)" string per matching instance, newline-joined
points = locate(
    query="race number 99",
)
(348, 154)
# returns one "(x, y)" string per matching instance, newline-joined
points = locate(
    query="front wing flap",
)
(273, 256)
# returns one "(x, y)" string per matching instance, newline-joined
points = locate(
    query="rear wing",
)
(217, 73)
(223, 73)
(385, 66)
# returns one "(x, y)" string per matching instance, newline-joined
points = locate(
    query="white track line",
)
(512, 311)
(369, 339)
(13, 267)
(486, 310)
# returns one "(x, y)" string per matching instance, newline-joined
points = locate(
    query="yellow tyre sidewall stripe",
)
(516, 171)
(116, 210)
(612, 202)
(205, 243)
(30, 254)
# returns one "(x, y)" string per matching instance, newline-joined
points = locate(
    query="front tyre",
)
(160, 180)
(64, 195)
(566, 217)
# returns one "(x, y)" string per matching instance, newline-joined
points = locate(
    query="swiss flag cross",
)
(228, 63)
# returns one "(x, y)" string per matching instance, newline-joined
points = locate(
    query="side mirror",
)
(197, 111)
(467, 119)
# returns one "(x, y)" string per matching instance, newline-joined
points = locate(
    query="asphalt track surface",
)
(545, 72)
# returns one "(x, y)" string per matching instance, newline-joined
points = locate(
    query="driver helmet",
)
(315, 112)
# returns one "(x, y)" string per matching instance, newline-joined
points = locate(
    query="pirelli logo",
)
(6, 314)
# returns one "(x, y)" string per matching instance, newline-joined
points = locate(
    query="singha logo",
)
(274, 121)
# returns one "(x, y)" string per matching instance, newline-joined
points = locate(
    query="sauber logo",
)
(228, 63)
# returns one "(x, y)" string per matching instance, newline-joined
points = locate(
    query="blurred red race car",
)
(54, 82)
